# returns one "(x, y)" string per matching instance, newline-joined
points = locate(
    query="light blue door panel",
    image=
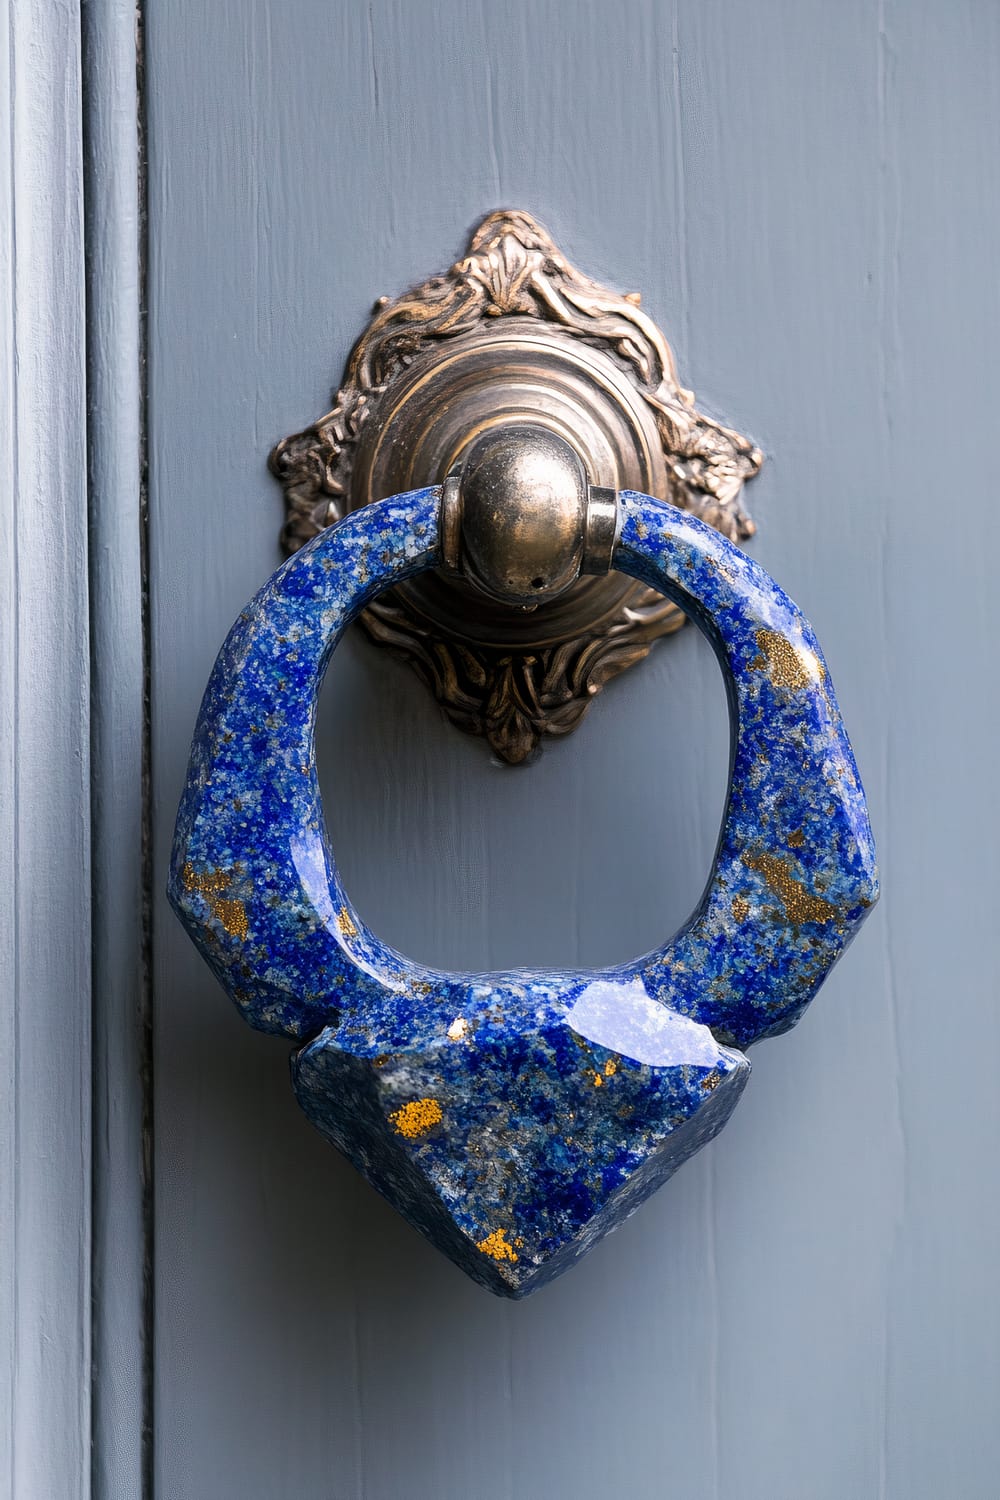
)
(807, 196)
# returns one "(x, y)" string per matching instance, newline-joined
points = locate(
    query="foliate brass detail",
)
(511, 334)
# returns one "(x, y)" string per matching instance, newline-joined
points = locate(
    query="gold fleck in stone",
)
(232, 915)
(597, 1080)
(799, 904)
(797, 839)
(346, 923)
(498, 1246)
(610, 1068)
(741, 908)
(788, 666)
(416, 1118)
(205, 885)
(712, 1080)
(459, 1029)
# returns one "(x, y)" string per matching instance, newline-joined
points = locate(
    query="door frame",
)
(74, 1187)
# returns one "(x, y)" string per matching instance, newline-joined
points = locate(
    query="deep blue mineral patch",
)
(516, 1118)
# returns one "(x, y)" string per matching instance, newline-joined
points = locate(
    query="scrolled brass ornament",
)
(513, 334)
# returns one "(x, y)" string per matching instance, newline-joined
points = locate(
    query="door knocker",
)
(516, 1118)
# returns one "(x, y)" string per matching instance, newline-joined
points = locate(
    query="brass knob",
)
(520, 518)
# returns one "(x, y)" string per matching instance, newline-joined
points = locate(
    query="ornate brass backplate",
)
(513, 334)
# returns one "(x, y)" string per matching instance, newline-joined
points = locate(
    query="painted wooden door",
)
(807, 195)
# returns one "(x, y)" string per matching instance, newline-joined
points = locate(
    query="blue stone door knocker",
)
(516, 1118)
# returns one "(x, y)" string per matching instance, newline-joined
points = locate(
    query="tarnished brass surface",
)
(525, 517)
(513, 335)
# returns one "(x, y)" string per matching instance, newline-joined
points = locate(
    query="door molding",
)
(74, 1194)
(45, 896)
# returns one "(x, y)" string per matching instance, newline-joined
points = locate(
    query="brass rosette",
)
(513, 334)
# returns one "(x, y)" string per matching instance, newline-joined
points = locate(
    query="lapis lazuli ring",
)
(515, 1118)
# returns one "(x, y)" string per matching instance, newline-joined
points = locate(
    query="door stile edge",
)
(114, 180)
(45, 894)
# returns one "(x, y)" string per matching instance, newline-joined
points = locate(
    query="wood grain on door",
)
(807, 195)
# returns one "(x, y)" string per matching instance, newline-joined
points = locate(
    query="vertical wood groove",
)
(122, 1197)
(889, 371)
